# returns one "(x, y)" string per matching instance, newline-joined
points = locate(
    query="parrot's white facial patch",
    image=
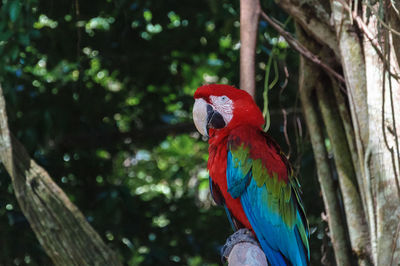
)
(224, 106)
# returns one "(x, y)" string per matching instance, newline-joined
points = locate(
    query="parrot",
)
(249, 174)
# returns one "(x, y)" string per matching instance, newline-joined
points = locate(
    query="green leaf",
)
(103, 154)
(4, 36)
(14, 52)
(147, 15)
(15, 8)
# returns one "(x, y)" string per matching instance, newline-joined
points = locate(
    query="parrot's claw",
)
(241, 235)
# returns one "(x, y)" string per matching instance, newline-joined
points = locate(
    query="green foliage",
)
(101, 95)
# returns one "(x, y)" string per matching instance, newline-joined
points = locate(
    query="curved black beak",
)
(214, 119)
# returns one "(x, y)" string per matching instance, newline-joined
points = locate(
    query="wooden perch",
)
(246, 254)
(241, 248)
(60, 227)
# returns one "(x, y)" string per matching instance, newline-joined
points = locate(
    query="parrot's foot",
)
(240, 236)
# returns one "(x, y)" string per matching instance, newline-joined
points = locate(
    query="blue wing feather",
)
(236, 180)
(275, 237)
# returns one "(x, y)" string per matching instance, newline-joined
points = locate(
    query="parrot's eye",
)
(224, 98)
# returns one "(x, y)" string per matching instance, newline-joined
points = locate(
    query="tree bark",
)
(355, 218)
(364, 36)
(249, 16)
(60, 227)
(382, 155)
(247, 254)
(314, 19)
(367, 38)
(308, 80)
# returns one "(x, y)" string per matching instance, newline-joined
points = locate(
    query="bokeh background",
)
(101, 92)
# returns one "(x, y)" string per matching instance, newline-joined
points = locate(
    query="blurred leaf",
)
(15, 9)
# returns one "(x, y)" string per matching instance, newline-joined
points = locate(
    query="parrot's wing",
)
(272, 204)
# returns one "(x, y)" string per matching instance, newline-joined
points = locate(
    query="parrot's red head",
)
(219, 107)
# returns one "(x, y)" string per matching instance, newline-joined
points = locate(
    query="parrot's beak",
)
(205, 117)
(200, 116)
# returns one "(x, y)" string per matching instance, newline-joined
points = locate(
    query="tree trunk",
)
(60, 227)
(309, 78)
(360, 38)
(249, 16)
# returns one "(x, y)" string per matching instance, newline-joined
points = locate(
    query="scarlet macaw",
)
(250, 176)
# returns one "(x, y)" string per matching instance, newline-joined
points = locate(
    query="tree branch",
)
(374, 41)
(300, 48)
(242, 248)
(60, 227)
(247, 254)
(318, 26)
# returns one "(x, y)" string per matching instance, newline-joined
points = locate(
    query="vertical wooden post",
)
(249, 16)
